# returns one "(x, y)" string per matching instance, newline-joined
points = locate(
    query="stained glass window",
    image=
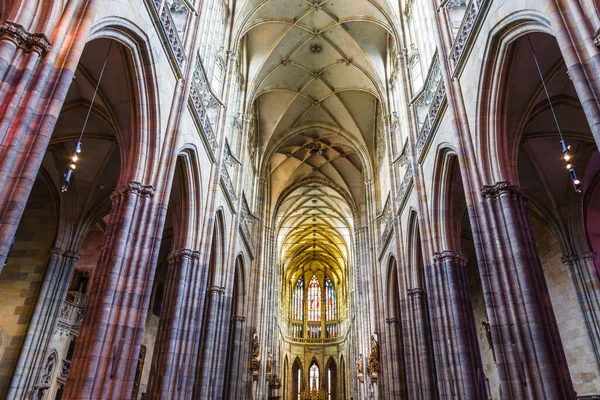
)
(314, 376)
(330, 298)
(298, 305)
(314, 300)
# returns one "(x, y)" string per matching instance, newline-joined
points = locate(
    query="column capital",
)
(415, 292)
(238, 319)
(216, 289)
(570, 259)
(449, 255)
(392, 320)
(135, 188)
(588, 256)
(56, 251)
(16, 33)
(500, 188)
(183, 253)
(72, 255)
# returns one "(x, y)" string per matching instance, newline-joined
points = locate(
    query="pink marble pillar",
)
(421, 370)
(458, 360)
(531, 361)
(108, 346)
(177, 340)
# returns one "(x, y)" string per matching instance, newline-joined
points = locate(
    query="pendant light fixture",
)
(566, 149)
(76, 153)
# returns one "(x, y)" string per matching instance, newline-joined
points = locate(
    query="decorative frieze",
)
(170, 30)
(247, 223)
(36, 42)
(473, 16)
(433, 114)
(227, 184)
(183, 253)
(404, 188)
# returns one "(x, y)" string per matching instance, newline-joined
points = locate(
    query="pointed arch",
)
(416, 271)
(331, 379)
(297, 382)
(314, 375)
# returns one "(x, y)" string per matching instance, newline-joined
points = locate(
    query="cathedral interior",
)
(299, 199)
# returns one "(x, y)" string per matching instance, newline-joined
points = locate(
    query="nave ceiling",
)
(316, 80)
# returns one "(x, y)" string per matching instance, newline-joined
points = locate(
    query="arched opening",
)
(314, 377)
(331, 380)
(557, 214)
(394, 328)
(297, 381)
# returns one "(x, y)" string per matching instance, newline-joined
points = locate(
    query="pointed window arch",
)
(298, 304)
(330, 300)
(314, 300)
(314, 376)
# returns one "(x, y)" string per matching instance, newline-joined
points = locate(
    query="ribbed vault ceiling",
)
(316, 74)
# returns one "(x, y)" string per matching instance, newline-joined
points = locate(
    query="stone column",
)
(421, 370)
(107, 351)
(43, 321)
(583, 271)
(235, 364)
(397, 370)
(208, 377)
(575, 37)
(531, 361)
(33, 87)
(458, 360)
(177, 340)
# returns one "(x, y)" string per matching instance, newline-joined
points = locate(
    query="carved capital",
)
(449, 255)
(72, 255)
(416, 292)
(238, 319)
(392, 320)
(183, 253)
(570, 259)
(502, 188)
(216, 289)
(37, 42)
(56, 252)
(597, 38)
(135, 188)
(588, 256)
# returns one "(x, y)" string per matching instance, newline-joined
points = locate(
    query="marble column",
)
(43, 321)
(458, 360)
(108, 346)
(583, 271)
(397, 369)
(579, 48)
(208, 377)
(33, 87)
(235, 364)
(421, 369)
(176, 349)
(531, 361)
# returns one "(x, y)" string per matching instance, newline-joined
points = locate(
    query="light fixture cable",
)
(75, 156)
(566, 149)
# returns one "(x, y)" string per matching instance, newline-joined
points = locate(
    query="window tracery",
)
(314, 300)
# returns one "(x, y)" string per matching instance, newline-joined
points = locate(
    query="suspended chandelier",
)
(566, 149)
(75, 155)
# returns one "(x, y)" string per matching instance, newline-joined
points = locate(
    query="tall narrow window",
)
(299, 377)
(330, 298)
(298, 307)
(314, 376)
(314, 300)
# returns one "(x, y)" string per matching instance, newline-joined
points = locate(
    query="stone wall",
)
(21, 278)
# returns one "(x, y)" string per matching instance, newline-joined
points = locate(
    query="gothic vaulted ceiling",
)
(316, 74)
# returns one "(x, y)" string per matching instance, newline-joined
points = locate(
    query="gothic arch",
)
(496, 152)
(140, 148)
(416, 271)
(216, 272)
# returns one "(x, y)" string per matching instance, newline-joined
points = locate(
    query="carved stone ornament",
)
(269, 369)
(503, 188)
(255, 352)
(485, 326)
(374, 366)
(359, 368)
(132, 187)
(36, 42)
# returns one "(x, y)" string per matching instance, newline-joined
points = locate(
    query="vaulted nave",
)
(299, 199)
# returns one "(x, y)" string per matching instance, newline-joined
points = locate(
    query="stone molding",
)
(135, 188)
(416, 292)
(16, 33)
(216, 289)
(500, 188)
(449, 255)
(238, 319)
(183, 253)
(392, 320)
